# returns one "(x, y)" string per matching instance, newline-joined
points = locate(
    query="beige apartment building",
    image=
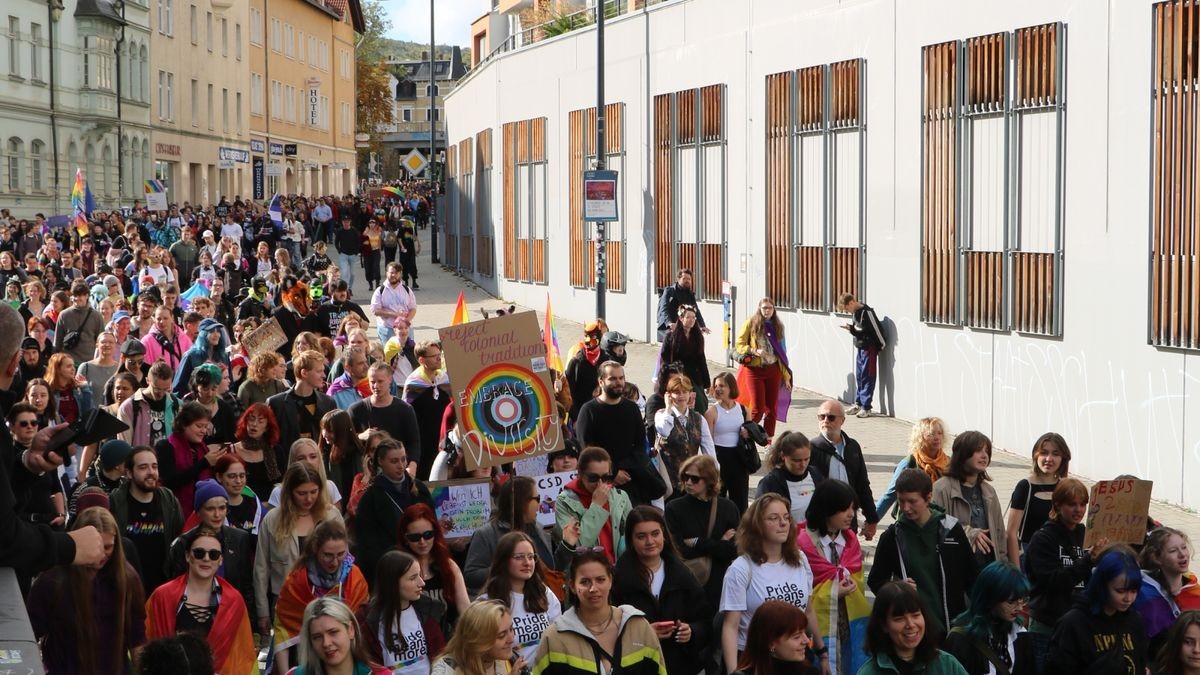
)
(301, 96)
(200, 76)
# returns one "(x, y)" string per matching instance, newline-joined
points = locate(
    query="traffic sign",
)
(415, 162)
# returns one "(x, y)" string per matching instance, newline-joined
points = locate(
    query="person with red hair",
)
(258, 445)
(245, 508)
(422, 536)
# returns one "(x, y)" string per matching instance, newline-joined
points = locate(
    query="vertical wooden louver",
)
(712, 253)
(582, 153)
(810, 255)
(467, 177)
(485, 253)
(780, 113)
(845, 113)
(939, 217)
(664, 202)
(524, 256)
(985, 96)
(454, 176)
(508, 155)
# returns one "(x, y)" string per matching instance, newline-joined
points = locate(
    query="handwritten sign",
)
(1117, 510)
(549, 486)
(461, 506)
(268, 337)
(502, 391)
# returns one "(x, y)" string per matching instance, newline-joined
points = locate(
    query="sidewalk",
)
(884, 440)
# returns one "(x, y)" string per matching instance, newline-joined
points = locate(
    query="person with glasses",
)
(517, 506)
(421, 535)
(199, 601)
(237, 563)
(325, 569)
(988, 637)
(792, 474)
(770, 567)
(840, 457)
(401, 623)
(515, 580)
(45, 502)
(688, 518)
(651, 577)
(245, 509)
(379, 511)
(595, 504)
(427, 390)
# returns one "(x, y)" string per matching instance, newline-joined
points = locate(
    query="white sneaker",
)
(863, 414)
(852, 410)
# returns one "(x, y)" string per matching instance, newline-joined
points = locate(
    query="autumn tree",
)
(371, 77)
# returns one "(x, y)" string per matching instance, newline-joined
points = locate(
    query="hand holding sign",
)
(1117, 512)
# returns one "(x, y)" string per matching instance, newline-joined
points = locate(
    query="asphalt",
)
(884, 439)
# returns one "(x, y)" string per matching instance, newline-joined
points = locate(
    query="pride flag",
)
(460, 311)
(79, 203)
(550, 337)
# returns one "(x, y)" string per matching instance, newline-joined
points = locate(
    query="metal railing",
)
(559, 25)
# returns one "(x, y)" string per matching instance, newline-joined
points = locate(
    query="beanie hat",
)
(208, 489)
(114, 453)
(91, 496)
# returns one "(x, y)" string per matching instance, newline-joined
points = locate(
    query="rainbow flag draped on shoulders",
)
(297, 592)
(846, 655)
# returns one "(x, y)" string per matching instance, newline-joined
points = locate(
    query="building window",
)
(195, 103)
(256, 26)
(276, 35)
(97, 63)
(815, 199)
(289, 102)
(194, 23)
(276, 100)
(166, 17)
(224, 37)
(224, 110)
(406, 114)
(237, 41)
(237, 109)
(36, 151)
(992, 181)
(166, 100)
(484, 233)
(256, 94)
(35, 51)
(435, 114)
(431, 88)
(289, 40)
(582, 157)
(14, 46)
(525, 201)
(300, 47)
(15, 149)
(690, 148)
(211, 108)
(208, 30)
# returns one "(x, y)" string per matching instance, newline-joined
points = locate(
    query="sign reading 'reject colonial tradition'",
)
(502, 391)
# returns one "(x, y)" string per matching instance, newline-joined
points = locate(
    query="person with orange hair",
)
(257, 444)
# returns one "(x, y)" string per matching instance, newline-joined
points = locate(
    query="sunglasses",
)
(830, 417)
(594, 477)
(414, 537)
(214, 554)
(25, 423)
(691, 478)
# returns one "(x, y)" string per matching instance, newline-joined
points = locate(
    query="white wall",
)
(1122, 405)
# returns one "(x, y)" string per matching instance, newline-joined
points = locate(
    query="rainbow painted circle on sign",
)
(511, 408)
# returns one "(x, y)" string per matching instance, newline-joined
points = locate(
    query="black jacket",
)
(668, 307)
(680, 599)
(617, 429)
(776, 482)
(582, 378)
(377, 521)
(966, 649)
(686, 518)
(347, 241)
(237, 561)
(286, 407)
(1056, 564)
(856, 470)
(866, 329)
(1074, 646)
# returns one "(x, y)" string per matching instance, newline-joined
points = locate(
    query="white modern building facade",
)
(1011, 185)
(61, 68)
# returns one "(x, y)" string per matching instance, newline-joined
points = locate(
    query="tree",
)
(371, 77)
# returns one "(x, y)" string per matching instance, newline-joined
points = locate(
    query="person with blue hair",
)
(211, 346)
(987, 637)
(1103, 634)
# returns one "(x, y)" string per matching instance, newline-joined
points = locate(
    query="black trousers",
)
(735, 480)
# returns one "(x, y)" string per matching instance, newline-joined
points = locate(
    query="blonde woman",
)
(305, 506)
(482, 643)
(927, 452)
(306, 451)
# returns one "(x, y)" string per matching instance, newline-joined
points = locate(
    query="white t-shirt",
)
(335, 495)
(800, 492)
(748, 585)
(415, 659)
(528, 628)
(657, 579)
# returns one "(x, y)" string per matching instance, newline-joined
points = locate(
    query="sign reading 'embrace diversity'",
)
(502, 391)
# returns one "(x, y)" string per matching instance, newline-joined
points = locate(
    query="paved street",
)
(884, 440)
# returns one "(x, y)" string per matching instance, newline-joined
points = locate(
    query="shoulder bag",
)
(701, 566)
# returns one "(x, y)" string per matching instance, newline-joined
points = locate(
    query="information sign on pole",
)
(600, 196)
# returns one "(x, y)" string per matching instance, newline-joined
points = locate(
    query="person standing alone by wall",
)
(869, 341)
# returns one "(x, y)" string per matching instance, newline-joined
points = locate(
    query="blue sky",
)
(410, 20)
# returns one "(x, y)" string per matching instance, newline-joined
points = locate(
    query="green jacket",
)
(568, 648)
(171, 512)
(943, 664)
(568, 507)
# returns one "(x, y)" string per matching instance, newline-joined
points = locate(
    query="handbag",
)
(748, 447)
(701, 566)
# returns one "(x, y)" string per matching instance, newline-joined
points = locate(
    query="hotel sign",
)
(313, 84)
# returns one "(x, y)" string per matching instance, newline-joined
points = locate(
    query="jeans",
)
(293, 249)
(864, 376)
(345, 263)
(384, 330)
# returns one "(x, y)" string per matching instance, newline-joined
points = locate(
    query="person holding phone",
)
(592, 501)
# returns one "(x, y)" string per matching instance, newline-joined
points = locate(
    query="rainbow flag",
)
(460, 311)
(78, 203)
(155, 186)
(550, 337)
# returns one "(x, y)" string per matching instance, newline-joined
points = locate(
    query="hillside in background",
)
(411, 51)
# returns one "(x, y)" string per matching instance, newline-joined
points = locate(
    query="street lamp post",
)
(436, 213)
(601, 163)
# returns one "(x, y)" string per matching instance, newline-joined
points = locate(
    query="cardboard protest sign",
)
(1117, 510)
(549, 486)
(267, 337)
(503, 396)
(461, 506)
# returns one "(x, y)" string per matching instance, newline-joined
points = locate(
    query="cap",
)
(133, 348)
(208, 489)
(340, 285)
(113, 453)
(119, 316)
(208, 234)
(90, 496)
(30, 343)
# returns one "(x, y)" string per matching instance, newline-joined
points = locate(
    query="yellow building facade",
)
(301, 103)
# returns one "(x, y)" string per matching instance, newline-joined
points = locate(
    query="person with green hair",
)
(205, 388)
(988, 635)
